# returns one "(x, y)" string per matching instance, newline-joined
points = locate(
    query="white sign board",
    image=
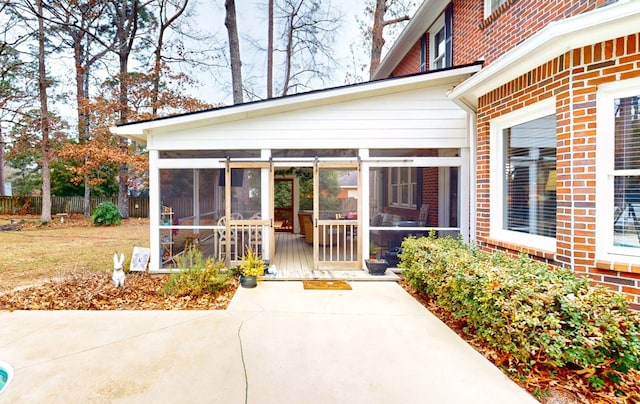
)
(139, 259)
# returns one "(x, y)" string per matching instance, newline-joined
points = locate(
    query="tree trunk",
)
(234, 50)
(123, 175)
(2, 193)
(82, 78)
(128, 26)
(377, 39)
(288, 56)
(270, 52)
(44, 121)
(377, 32)
(165, 23)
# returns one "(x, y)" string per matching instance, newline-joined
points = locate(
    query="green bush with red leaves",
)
(539, 315)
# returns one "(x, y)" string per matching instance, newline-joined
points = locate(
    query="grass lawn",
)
(37, 253)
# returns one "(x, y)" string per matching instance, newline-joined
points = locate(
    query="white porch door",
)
(248, 217)
(336, 215)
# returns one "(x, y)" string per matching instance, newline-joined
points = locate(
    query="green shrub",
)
(198, 276)
(106, 214)
(537, 314)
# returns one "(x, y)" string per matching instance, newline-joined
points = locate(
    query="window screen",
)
(626, 174)
(530, 177)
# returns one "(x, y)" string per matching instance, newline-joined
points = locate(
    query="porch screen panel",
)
(337, 216)
(246, 230)
(627, 172)
(430, 203)
(246, 191)
(530, 177)
(191, 204)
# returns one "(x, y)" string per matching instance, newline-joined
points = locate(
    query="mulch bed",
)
(95, 291)
(561, 385)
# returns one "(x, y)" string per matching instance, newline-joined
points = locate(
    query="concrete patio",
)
(277, 343)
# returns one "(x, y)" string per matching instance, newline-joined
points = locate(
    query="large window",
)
(530, 176)
(626, 172)
(523, 190)
(618, 171)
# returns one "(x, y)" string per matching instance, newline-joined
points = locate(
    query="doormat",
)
(326, 285)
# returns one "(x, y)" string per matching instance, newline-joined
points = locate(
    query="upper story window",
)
(441, 40)
(423, 53)
(523, 176)
(618, 170)
(492, 5)
(438, 61)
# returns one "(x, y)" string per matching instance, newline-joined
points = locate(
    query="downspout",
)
(472, 168)
(154, 210)
(571, 169)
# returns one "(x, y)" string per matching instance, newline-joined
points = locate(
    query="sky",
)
(215, 87)
(252, 21)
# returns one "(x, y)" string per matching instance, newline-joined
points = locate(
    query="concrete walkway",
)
(277, 343)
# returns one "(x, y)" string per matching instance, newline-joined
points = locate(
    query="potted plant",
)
(377, 266)
(251, 267)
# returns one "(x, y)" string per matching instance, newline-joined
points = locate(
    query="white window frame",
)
(412, 184)
(437, 26)
(489, 8)
(497, 188)
(605, 170)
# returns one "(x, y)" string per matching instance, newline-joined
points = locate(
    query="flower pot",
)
(376, 266)
(248, 281)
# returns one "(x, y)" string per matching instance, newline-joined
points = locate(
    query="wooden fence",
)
(13, 205)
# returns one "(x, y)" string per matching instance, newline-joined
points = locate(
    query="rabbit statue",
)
(118, 273)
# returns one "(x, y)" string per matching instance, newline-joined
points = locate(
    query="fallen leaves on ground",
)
(561, 386)
(95, 291)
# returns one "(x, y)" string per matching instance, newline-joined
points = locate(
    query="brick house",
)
(555, 144)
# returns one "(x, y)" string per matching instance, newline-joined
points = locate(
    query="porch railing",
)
(337, 241)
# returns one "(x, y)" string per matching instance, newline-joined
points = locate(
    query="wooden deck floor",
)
(294, 261)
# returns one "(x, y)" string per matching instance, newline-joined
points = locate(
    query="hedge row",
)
(539, 315)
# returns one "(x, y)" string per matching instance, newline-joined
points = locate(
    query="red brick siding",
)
(411, 62)
(573, 78)
(430, 191)
(477, 38)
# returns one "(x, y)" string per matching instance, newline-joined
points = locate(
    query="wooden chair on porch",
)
(423, 218)
(222, 240)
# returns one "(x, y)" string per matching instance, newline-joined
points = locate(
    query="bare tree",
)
(165, 21)
(13, 98)
(231, 23)
(270, 51)
(377, 31)
(80, 27)
(44, 120)
(308, 34)
(126, 20)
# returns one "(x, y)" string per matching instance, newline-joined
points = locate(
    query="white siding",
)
(423, 118)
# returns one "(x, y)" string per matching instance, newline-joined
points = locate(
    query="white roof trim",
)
(606, 23)
(139, 130)
(423, 18)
